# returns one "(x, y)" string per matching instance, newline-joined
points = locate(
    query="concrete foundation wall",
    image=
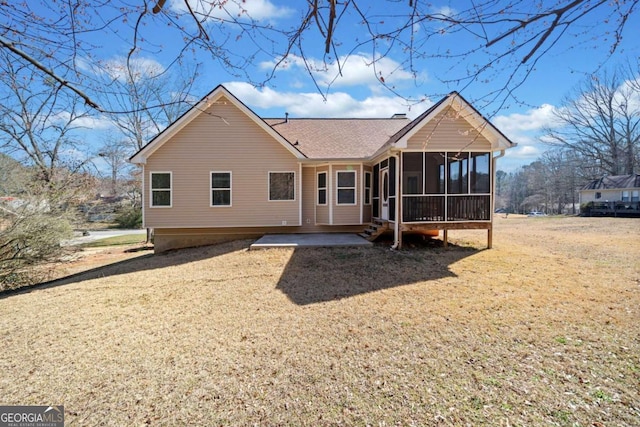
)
(166, 239)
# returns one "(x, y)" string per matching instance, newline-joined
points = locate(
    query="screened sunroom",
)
(446, 186)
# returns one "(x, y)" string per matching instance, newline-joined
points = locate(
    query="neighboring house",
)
(617, 195)
(221, 172)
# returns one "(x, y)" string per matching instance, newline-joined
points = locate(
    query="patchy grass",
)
(127, 239)
(541, 330)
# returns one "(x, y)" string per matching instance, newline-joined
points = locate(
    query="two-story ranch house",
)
(221, 172)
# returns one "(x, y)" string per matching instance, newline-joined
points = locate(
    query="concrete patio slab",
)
(311, 240)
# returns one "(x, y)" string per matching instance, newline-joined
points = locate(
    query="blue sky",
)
(358, 92)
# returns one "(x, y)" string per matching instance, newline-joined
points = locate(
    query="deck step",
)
(375, 229)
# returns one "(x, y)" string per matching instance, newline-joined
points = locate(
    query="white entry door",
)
(384, 194)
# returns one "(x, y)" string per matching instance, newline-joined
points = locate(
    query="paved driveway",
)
(100, 234)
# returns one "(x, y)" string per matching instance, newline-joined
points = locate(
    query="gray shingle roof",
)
(337, 138)
(613, 182)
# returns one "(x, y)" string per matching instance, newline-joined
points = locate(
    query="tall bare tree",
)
(601, 122)
(37, 125)
(141, 97)
(115, 152)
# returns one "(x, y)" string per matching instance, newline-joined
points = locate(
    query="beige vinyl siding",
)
(346, 214)
(308, 198)
(322, 211)
(235, 144)
(448, 131)
(606, 195)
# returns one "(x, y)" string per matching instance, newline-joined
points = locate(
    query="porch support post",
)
(398, 185)
(490, 238)
(445, 238)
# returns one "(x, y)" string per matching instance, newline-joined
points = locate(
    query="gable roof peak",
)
(199, 108)
(474, 116)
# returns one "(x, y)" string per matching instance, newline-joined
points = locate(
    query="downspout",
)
(396, 224)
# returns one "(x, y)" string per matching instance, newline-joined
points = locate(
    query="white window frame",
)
(325, 188)
(269, 186)
(354, 188)
(211, 189)
(367, 190)
(151, 189)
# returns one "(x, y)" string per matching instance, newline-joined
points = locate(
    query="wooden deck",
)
(615, 209)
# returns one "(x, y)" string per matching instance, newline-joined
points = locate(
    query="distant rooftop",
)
(614, 182)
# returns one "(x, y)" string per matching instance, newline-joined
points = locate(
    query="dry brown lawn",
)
(544, 329)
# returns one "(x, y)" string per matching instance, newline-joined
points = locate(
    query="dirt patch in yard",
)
(541, 330)
(76, 260)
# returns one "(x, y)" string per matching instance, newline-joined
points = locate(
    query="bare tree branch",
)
(11, 47)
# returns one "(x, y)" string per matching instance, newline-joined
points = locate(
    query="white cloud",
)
(259, 10)
(94, 123)
(445, 11)
(86, 122)
(311, 104)
(353, 70)
(116, 67)
(525, 130)
(140, 67)
(533, 120)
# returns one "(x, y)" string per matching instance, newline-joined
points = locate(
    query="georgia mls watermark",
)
(32, 416)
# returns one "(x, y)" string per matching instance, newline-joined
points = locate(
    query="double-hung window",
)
(367, 188)
(282, 186)
(220, 188)
(161, 183)
(322, 188)
(346, 187)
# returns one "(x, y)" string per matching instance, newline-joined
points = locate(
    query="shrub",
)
(129, 218)
(30, 239)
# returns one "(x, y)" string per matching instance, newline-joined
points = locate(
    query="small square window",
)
(282, 186)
